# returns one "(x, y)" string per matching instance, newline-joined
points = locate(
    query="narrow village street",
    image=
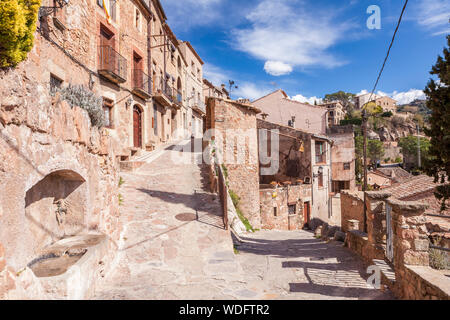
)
(174, 247)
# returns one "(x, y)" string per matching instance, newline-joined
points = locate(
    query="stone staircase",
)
(140, 157)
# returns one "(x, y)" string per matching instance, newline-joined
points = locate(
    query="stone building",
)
(236, 142)
(336, 112)
(388, 104)
(58, 168)
(305, 163)
(342, 158)
(195, 100)
(210, 90)
(276, 107)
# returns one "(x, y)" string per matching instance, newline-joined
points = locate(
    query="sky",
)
(310, 48)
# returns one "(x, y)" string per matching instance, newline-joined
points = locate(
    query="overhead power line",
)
(389, 50)
(365, 117)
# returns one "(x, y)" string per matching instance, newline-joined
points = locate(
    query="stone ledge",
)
(378, 195)
(407, 206)
(432, 278)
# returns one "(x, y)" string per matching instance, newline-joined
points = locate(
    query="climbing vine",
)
(17, 26)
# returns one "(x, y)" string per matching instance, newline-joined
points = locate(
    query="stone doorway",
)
(137, 127)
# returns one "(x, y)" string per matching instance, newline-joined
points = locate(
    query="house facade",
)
(195, 100)
(303, 179)
(276, 107)
(336, 112)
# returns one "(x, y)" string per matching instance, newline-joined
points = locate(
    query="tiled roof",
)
(412, 186)
(396, 173)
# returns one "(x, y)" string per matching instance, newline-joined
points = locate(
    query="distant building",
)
(212, 91)
(362, 99)
(276, 107)
(336, 112)
(387, 104)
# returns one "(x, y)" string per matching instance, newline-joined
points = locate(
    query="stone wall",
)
(58, 175)
(410, 276)
(352, 206)
(275, 204)
(237, 146)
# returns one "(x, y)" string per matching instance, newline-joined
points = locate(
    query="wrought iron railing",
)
(142, 81)
(111, 61)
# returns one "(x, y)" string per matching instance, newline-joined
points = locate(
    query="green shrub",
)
(439, 259)
(17, 26)
(121, 182)
(235, 198)
(85, 99)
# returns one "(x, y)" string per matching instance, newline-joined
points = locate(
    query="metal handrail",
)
(142, 81)
(110, 60)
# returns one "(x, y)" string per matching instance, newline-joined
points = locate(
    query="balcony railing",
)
(142, 83)
(321, 158)
(163, 91)
(111, 64)
(179, 97)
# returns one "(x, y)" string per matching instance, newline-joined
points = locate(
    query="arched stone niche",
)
(56, 208)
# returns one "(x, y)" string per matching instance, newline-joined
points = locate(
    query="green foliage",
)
(373, 109)
(85, 99)
(121, 182)
(236, 251)
(375, 150)
(354, 121)
(225, 171)
(120, 197)
(438, 102)
(17, 26)
(387, 114)
(235, 198)
(398, 160)
(409, 148)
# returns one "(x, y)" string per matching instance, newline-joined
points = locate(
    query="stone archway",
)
(56, 208)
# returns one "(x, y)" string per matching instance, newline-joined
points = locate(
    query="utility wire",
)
(389, 50)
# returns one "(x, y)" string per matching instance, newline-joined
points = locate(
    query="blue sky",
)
(311, 48)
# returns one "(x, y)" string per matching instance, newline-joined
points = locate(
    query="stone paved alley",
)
(174, 247)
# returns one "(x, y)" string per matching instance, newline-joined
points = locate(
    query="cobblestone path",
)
(174, 247)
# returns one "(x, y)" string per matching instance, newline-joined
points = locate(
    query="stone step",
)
(130, 166)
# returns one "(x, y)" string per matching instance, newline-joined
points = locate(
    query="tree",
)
(344, 97)
(410, 150)
(438, 101)
(375, 150)
(17, 26)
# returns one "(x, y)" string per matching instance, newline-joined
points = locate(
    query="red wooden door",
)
(137, 127)
(306, 213)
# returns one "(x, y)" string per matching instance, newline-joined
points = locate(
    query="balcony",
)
(163, 92)
(142, 84)
(199, 106)
(112, 65)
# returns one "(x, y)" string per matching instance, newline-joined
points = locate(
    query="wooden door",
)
(106, 56)
(137, 71)
(137, 127)
(306, 214)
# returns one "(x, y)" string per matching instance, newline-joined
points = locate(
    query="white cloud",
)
(277, 68)
(287, 32)
(434, 15)
(311, 100)
(408, 96)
